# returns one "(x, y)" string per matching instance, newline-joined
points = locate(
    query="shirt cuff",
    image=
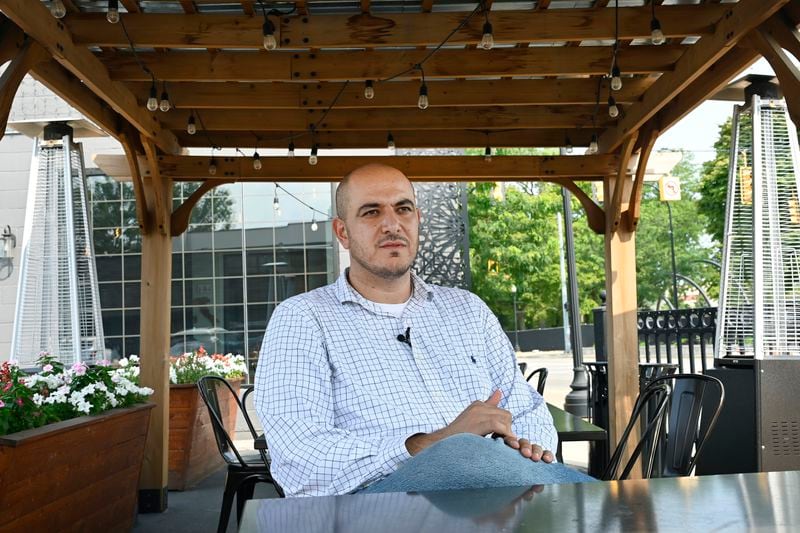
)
(394, 454)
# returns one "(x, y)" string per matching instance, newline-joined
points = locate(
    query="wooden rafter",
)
(132, 6)
(787, 72)
(380, 64)
(427, 6)
(396, 29)
(486, 118)
(187, 5)
(781, 28)
(737, 21)
(35, 20)
(28, 56)
(179, 220)
(143, 215)
(196, 95)
(403, 139)
(159, 205)
(429, 168)
(595, 216)
(248, 8)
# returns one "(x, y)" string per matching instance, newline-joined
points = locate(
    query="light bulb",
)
(276, 205)
(314, 225)
(487, 154)
(312, 159)
(369, 90)
(212, 167)
(152, 102)
(487, 42)
(268, 29)
(164, 104)
(390, 142)
(613, 110)
(568, 147)
(422, 102)
(291, 149)
(191, 127)
(278, 212)
(656, 35)
(593, 147)
(112, 15)
(57, 9)
(616, 78)
(256, 161)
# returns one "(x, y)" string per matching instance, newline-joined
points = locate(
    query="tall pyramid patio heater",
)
(58, 305)
(757, 349)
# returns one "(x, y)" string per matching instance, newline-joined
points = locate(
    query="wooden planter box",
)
(77, 475)
(193, 452)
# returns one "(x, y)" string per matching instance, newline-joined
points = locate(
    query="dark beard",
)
(384, 273)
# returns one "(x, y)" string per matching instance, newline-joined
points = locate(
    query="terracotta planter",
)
(77, 475)
(193, 452)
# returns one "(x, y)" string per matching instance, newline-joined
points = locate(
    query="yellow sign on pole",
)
(669, 188)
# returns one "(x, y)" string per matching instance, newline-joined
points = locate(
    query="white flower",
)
(123, 362)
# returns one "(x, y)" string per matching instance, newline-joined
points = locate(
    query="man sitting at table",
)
(380, 382)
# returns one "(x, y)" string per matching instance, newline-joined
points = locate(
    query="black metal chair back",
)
(694, 396)
(242, 475)
(542, 381)
(652, 405)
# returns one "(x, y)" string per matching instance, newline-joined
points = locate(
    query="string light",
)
(616, 74)
(613, 110)
(152, 102)
(593, 146)
(57, 9)
(314, 225)
(656, 35)
(390, 141)
(369, 90)
(256, 161)
(487, 154)
(487, 42)
(313, 158)
(164, 105)
(567, 145)
(268, 31)
(212, 166)
(112, 15)
(616, 77)
(191, 126)
(290, 154)
(276, 205)
(422, 102)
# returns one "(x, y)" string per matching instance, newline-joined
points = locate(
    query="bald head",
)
(364, 174)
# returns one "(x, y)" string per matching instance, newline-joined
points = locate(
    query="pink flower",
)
(7, 387)
(47, 368)
(19, 402)
(104, 362)
(2, 403)
(79, 368)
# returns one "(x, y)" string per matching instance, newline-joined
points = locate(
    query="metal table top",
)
(765, 501)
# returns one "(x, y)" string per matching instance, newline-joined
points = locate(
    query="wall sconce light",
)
(9, 243)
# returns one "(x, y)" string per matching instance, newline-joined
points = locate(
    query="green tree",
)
(714, 184)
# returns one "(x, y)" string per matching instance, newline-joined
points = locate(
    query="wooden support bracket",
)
(29, 55)
(595, 216)
(615, 207)
(160, 207)
(179, 220)
(635, 203)
(142, 213)
(788, 74)
(784, 32)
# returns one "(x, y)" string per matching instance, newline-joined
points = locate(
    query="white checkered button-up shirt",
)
(338, 394)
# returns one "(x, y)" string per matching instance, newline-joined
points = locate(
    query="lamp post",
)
(516, 328)
(672, 251)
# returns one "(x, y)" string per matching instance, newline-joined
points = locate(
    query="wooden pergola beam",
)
(403, 139)
(28, 55)
(787, 72)
(380, 64)
(332, 168)
(455, 118)
(632, 214)
(233, 95)
(161, 30)
(35, 20)
(737, 21)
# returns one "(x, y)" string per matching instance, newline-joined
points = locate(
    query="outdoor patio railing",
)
(684, 337)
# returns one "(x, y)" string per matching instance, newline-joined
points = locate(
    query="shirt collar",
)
(345, 292)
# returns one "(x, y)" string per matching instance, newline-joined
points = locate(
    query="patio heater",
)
(757, 349)
(58, 303)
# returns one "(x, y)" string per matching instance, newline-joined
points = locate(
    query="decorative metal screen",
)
(760, 284)
(58, 305)
(443, 256)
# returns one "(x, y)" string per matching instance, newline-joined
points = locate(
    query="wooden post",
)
(155, 332)
(621, 306)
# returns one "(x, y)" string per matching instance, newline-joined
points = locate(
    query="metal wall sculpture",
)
(443, 256)
(58, 303)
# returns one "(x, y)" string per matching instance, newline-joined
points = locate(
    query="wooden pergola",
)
(545, 83)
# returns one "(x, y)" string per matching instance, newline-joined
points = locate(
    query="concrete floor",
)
(197, 509)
